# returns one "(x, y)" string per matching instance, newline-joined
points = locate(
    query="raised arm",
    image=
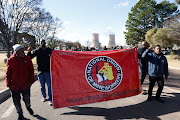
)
(146, 54)
(31, 53)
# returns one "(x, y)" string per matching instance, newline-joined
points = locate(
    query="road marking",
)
(171, 67)
(8, 111)
(172, 89)
(177, 91)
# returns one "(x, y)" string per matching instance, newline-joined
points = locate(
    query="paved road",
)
(135, 107)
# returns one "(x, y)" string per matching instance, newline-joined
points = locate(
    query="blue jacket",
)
(157, 64)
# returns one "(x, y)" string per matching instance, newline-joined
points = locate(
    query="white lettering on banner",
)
(96, 85)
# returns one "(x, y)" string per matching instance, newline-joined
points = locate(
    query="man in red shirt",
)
(19, 78)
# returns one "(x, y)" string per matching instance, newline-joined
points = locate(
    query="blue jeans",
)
(45, 78)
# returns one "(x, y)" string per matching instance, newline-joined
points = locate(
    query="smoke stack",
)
(95, 41)
(111, 41)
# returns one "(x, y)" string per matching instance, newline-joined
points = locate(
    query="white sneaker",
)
(50, 103)
(43, 100)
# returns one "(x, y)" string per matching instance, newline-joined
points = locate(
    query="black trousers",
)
(153, 80)
(142, 74)
(16, 96)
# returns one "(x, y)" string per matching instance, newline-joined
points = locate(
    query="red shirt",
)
(19, 73)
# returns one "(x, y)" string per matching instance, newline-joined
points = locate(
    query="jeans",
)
(45, 78)
(16, 96)
(160, 81)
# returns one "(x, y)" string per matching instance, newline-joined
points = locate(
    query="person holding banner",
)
(158, 67)
(19, 78)
(43, 55)
(143, 63)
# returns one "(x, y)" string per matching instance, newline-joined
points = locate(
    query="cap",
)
(16, 47)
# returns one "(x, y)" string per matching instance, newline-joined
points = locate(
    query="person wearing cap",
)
(19, 78)
(43, 54)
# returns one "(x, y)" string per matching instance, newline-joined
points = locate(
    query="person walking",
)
(143, 63)
(43, 55)
(19, 78)
(158, 67)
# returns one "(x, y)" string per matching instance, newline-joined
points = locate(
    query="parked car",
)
(165, 52)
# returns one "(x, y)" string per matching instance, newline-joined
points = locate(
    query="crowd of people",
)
(20, 72)
(97, 49)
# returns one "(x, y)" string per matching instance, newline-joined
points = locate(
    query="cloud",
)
(73, 37)
(121, 4)
(66, 22)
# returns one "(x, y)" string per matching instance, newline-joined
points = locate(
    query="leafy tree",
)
(145, 15)
(149, 36)
(163, 36)
(140, 21)
(165, 9)
(72, 44)
(55, 42)
(178, 2)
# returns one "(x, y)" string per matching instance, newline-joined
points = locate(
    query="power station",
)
(95, 41)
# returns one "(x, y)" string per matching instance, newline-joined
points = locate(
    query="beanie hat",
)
(16, 47)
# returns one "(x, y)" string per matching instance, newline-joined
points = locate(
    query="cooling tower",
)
(111, 41)
(95, 41)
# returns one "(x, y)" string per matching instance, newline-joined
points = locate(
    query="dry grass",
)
(3, 64)
(173, 62)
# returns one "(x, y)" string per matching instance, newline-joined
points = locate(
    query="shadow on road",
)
(147, 109)
(174, 79)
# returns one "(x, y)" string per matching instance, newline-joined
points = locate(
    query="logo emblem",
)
(103, 73)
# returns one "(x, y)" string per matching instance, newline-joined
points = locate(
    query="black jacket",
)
(43, 58)
(143, 63)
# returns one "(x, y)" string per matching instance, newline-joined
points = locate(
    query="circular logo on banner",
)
(103, 73)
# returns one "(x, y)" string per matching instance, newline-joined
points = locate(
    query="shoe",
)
(50, 103)
(20, 117)
(160, 100)
(149, 98)
(30, 111)
(144, 93)
(44, 100)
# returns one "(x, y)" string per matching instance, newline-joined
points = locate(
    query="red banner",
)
(82, 77)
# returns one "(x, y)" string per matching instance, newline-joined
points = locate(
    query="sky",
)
(81, 18)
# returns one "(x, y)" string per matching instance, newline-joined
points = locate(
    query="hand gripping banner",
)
(82, 77)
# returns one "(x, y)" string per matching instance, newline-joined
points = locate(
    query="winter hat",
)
(16, 47)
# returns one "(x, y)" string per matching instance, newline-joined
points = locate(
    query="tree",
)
(145, 15)
(163, 36)
(54, 43)
(149, 36)
(173, 31)
(72, 44)
(25, 16)
(178, 2)
(88, 43)
(12, 15)
(140, 21)
(165, 9)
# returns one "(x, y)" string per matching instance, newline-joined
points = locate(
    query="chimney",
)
(95, 41)
(111, 41)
